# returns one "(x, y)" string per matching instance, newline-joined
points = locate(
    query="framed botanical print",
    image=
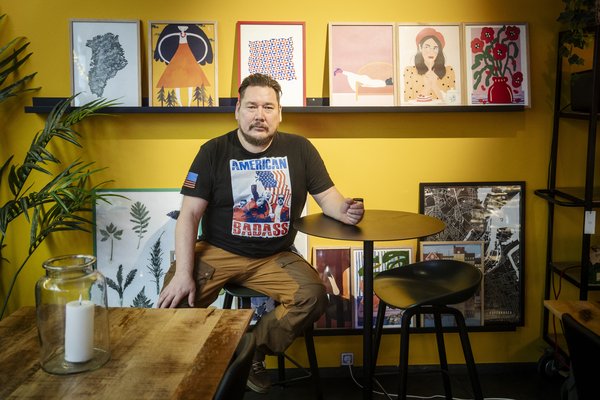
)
(183, 64)
(362, 64)
(467, 251)
(491, 212)
(429, 65)
(383, 259)
(276, 49)
(105, 61)
(497, 64)
(333, 266)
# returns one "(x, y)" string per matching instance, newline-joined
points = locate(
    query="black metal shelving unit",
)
(586, 197)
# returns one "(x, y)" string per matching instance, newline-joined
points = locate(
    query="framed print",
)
(333, 266)
(429, 65)
(276, 49)
(491, 212)
(362, 64)
(470, 252)
(497, 64)
(183, 64)
(105, 61)
(383, 259)
(134, 243)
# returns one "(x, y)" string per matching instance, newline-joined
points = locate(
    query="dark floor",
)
(498, 381)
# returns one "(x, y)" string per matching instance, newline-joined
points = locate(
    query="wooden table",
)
(155, 354)
(376, 225)
(585, 312)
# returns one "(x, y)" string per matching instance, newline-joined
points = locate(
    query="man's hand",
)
(353, 211)
(181, 285)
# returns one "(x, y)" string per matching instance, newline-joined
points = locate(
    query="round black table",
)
(376, 225)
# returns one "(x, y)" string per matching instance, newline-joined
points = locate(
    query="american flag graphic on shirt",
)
(190, 180)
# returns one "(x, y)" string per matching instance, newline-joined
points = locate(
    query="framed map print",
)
(183, 64)
(470, 252)
(493, 213)
(362, 64)
(276, 49)
(105, 61)
(497, 64)
(429, 65)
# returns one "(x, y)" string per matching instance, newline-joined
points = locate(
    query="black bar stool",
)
(428, 287)
(244, 296)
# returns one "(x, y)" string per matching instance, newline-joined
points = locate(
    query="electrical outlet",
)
(347, 358)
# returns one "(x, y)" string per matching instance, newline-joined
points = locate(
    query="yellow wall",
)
(381, 157)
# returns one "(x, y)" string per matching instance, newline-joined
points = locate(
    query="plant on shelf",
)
(576, 18)
(38, 191)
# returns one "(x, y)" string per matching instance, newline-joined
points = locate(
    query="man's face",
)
(258, 114)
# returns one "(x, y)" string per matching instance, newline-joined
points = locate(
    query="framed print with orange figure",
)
(183, 64)
(362, 64)
(276, 49)
(497, 64)
(429, 65)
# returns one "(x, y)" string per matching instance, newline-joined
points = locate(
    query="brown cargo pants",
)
(285, 277)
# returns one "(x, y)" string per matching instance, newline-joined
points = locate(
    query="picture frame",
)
(384, 258)
(183, 64)
(429, 48)
(333, 266)
(134, 243)
(362, 64)
(277, 49)
(105, 61)
(492, 212)
(497, 64)
(466, 251)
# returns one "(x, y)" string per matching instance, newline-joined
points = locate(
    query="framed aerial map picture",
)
(493, 213)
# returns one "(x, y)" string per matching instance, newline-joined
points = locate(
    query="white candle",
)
(79, 331)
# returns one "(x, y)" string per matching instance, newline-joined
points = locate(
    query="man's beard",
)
(254, 141)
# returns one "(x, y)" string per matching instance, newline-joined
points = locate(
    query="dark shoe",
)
(259, 380)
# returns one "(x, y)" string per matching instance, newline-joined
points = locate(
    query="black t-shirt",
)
(253, 198)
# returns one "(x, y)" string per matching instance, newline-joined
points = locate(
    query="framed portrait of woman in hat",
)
(429, 65)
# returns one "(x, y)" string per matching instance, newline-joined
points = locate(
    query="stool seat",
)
(441, 282)
(428, 287)
(244, 295)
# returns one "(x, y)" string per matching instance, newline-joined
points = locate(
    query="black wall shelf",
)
(43, 105)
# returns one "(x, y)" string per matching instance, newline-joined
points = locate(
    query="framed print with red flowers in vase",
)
(497, 64)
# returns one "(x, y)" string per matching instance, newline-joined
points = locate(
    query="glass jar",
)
(72, 315)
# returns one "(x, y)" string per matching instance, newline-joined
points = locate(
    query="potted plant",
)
(576, 18)
(58, 201)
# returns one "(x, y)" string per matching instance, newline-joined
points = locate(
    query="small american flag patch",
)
(190, 180)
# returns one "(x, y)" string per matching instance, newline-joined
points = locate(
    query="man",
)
(254, 160)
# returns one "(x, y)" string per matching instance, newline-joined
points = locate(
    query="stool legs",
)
(439, 334)
(437, 312)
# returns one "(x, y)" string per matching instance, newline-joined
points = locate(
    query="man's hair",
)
(260, 80)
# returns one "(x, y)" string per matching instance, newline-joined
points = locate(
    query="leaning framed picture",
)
(429, 65)
(333, 266)
(276, 49)
(491, 212)
(105, 61)
(384, 258)
(497, 64)
(466, 251)
(134, 243)
(362, 64)
(182, 64)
